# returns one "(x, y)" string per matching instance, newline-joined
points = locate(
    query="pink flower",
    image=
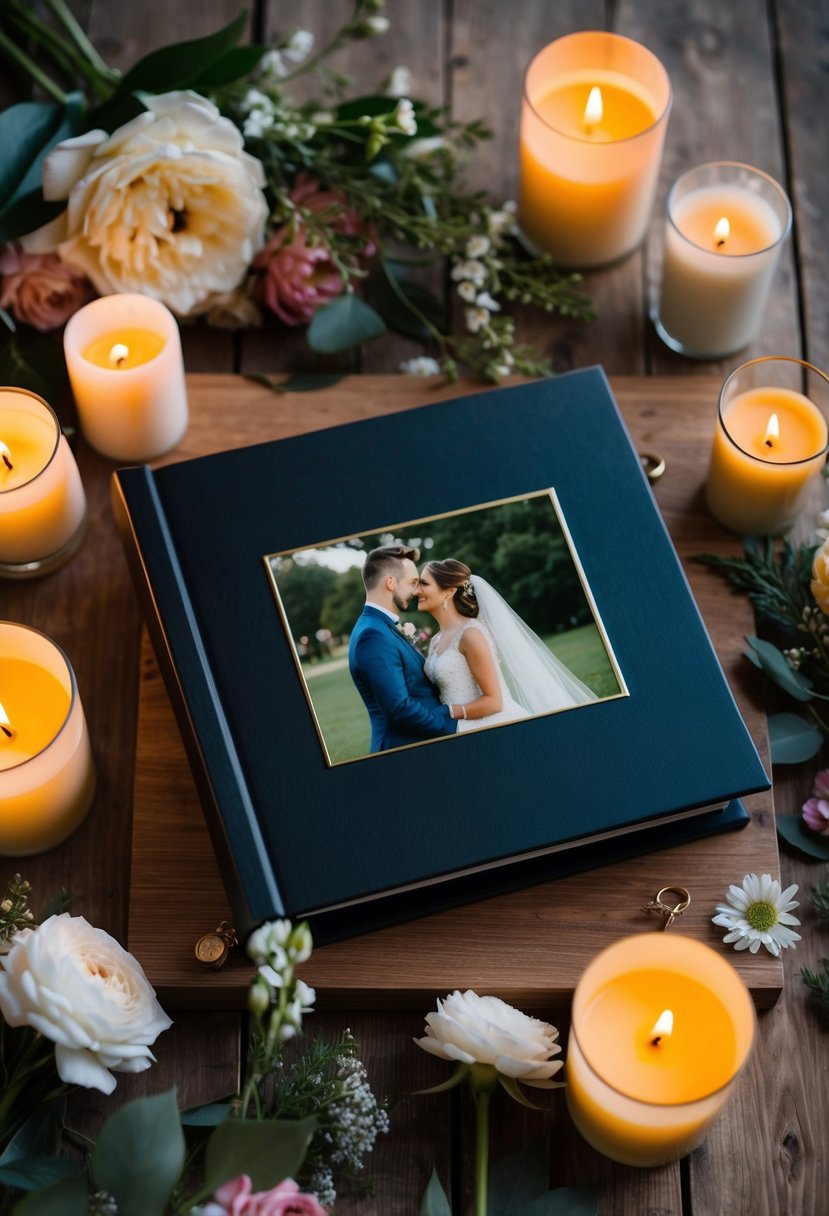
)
(821, 789)
(235, 1199)
(816, 815)
(299, 276)
(40, 289)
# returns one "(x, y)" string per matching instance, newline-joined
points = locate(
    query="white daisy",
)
(758, 914)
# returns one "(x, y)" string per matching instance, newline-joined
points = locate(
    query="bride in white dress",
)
(488, 665)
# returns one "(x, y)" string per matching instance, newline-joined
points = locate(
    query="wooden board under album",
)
(528, 946)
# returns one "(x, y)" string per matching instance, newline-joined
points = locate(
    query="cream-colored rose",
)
(820, 577)
(169, 205)
(75, 985)
(472, 1029)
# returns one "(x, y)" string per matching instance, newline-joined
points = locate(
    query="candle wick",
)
(7, 462)
(7, 731)
(769, 443)
(720, 242)
(656, 1041)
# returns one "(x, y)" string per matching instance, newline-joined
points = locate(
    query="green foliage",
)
(792, 739)
(179, 65)
(65, 1198)
(820, 899)
(268, 1151)
(303, 587)
(343, 603)
(518, 1186)
(775, 580)
(818, 984)
(27, 132)
(435, 1201)
(346, 321)
(139, 1155)
(796, 833)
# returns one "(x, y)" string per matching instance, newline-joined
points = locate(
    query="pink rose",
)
(816, 815)
(235, 1199)
(298, 276)
(821, 789)
(40, 289)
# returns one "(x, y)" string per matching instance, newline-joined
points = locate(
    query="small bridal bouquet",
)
(198, 179)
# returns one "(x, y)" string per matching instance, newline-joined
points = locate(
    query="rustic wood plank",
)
(803, 46)
(401, 965)
(720, 59)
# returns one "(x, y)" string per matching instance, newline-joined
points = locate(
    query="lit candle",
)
(661, 1027)
(770, 443)
(125, 365)
(47, 778)
(592, 127)
(42, 503)
(725, 226)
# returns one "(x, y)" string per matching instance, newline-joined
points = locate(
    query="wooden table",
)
(749, 84)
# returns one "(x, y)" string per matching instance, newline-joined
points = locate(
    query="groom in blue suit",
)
(402, 702)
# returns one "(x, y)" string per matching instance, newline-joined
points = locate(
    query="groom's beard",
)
(400, 604)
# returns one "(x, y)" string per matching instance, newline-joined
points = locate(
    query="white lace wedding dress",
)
(532, 679)
(449, 672)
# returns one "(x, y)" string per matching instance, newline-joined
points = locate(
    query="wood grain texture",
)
(404, 965)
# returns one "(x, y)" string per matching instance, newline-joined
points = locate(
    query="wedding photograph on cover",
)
(420, 631)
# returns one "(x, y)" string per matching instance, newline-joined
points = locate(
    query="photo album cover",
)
(432, 655)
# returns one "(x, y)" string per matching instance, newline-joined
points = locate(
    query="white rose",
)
(472, 1029)
(170, 205)
(75, 985)
(820, 577)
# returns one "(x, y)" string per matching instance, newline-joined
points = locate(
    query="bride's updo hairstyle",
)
(452, 575)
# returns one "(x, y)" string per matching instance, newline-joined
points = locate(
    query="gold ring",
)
(684, 898)
(653, 464)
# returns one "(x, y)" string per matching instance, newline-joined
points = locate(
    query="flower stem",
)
(48, 85)
(77, 35)
(482, 1098)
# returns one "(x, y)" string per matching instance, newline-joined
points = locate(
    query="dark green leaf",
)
(8, 320)
(344, 322)
(794, 830)
(119, 110)
(206, 1116)
(239, 61)
(139, 1155)
(24, 130)
(435, 1202)
(27, 212)
(516, 1180)
(565, 1201)
(65, 1198)
(178, 65)
(792, 739)
(269, 1151)
(776, 668)
(72, 123)
(28, 1173)
(61, 901)
(370, 106)
(385, 287)
(33, 360)
(39, 1136)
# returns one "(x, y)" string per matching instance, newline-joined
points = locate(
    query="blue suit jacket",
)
(402, 702)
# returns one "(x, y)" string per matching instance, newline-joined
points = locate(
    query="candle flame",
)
(722, 231)
(118, 354)
(6, 729)
(663, 1028)
(5, 455)
(772, 431)
(594, 110)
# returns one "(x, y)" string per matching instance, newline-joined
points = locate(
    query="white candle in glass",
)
(123, 353)
(42, 502)
(47, 777)
(725, 226)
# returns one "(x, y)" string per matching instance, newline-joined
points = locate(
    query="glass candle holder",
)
(47, 777)
(662, 1026)
(725, 227)
(42, 501)
(123, 354)
(771, 441)
(593, 123)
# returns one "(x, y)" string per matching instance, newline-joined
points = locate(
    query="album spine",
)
(168, 612)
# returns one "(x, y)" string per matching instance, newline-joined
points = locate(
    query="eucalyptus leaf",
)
(26, 213)
(516, 1180)
(206, 1116)
(774, 664)
(385, 288)
(796, 833)
(793, 739)
(565, 1201)
(72, 122)
(39, 1136)
(119, 110)
(139, 1155)
(239, 61)
(29, 1173)
(65, 1198)
(435, 1201)
(268, 1151)
(344, 322)
(24, 129)
(180, 64)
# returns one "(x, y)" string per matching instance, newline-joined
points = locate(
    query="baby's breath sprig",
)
(15, 913)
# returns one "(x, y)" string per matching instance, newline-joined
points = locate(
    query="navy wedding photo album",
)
(249, 567)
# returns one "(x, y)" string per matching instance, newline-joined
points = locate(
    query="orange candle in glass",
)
(771, 442)
(47, 777)
(593, 124)
(662, 1025)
